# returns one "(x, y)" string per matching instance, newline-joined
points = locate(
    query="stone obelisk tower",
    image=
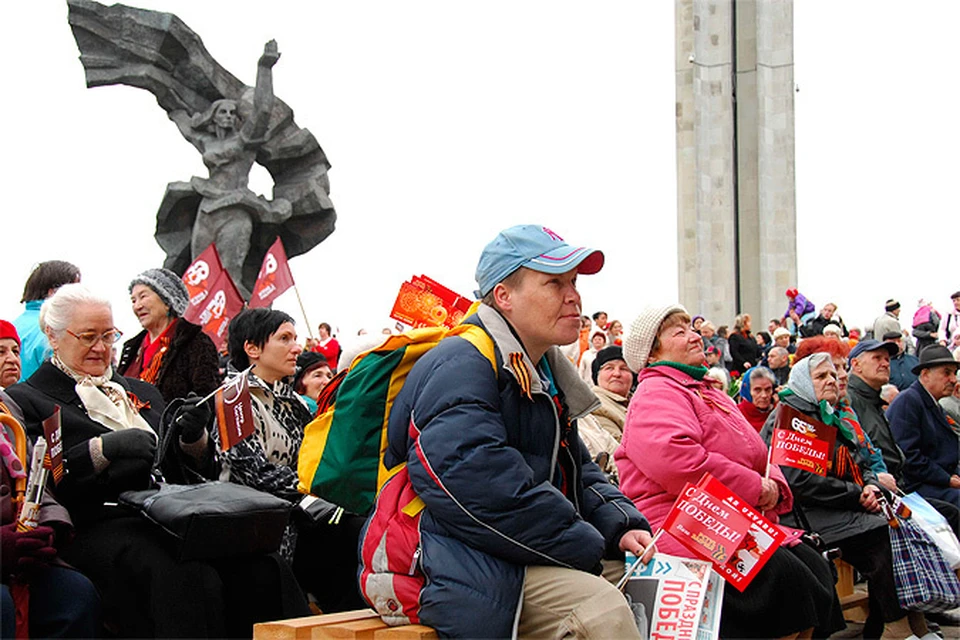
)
(736, 197)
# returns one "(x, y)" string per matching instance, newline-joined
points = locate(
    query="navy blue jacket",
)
(504, 483)
(922, 432)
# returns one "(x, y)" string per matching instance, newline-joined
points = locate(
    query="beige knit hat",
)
(643, 331)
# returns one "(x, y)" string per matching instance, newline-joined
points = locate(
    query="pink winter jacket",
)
(677, 428)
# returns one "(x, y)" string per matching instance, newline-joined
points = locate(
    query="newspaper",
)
(675, 598)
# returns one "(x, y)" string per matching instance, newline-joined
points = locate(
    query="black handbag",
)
(210, 519)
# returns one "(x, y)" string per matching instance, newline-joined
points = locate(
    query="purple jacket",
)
(801, 305)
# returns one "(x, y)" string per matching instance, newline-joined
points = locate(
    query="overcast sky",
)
(448, 121)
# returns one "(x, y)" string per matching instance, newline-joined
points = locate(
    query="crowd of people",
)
(532, 478)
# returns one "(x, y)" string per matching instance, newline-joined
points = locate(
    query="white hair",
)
(57, 310)
(832, 330)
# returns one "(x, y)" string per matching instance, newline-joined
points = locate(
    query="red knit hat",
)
(792, 293)
(7, 330)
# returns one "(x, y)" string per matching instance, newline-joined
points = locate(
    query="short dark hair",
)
(254, 326)
(956, 294)
(325, 326)
(598, 314)
(52, 274)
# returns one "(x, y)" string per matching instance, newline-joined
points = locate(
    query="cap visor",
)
(565, 258)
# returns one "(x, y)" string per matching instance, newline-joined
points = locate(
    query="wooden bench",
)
(852, 600)
(362, 624)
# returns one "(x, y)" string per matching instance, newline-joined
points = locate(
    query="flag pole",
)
(303, 311)
(636, 563)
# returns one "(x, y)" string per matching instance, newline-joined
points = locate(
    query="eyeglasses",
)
(90, 338)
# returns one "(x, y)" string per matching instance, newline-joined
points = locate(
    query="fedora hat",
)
(934, 356)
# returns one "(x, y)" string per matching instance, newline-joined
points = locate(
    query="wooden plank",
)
(356, 630)
(301, 628)
(406, 632)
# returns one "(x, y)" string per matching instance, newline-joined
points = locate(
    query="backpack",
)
(922, 316)
(341, 457)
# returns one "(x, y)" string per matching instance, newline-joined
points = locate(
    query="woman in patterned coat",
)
(321, 541)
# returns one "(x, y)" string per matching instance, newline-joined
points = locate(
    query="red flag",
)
(234, 411)
(274, 277)
(801, 442)
(221, 305)
(714, 523)
(53, 460)
(201, 275)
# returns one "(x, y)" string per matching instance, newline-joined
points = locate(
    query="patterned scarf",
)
(105, 401)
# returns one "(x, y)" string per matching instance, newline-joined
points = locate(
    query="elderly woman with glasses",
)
(680, 427)
(109, 433)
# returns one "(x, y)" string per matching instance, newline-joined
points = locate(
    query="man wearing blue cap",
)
(516, 518)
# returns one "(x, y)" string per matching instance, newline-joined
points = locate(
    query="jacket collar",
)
(862, 389)
(932, 406)
(579, 397)
(58, 385)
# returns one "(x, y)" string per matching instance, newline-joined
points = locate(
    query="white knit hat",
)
(643, 331)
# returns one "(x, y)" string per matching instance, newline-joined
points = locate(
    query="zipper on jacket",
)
(415, 561)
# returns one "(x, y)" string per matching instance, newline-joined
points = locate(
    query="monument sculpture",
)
(231, 124)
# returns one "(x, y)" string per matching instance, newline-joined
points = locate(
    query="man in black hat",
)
(902, 363)
(930, 446)
(889, 321)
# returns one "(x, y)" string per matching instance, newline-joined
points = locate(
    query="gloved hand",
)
(19, 550)
(193, 418)
(129, 443)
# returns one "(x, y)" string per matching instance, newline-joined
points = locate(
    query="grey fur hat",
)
(167, 285)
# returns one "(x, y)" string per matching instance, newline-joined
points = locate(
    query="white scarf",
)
(105, 401)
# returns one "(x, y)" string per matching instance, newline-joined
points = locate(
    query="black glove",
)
(129, 443)
(193, 418)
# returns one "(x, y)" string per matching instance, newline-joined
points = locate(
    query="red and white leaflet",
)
(274, 277)
(201, 275)
(234, 411)
(675, 598)
(762, 539)
(222, 304)
(801, 442)
(716, 524)
(53, 459)
(704, 525)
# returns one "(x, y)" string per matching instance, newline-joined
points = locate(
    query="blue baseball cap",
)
(534, 247)
(872, 345)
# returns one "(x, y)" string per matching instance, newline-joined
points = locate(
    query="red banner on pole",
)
(53, 460)
(274, 277)
(221, 305)
(201, 275)
(801, 442)
(717, 525)
(234, 411)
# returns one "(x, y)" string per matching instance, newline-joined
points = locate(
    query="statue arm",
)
(255, 129)
(184, 124)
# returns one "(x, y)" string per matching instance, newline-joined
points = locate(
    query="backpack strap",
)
(480, 339)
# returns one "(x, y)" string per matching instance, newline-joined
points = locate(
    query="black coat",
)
(82, 491)
(190, 364)
(831, 504)
(743, 348)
